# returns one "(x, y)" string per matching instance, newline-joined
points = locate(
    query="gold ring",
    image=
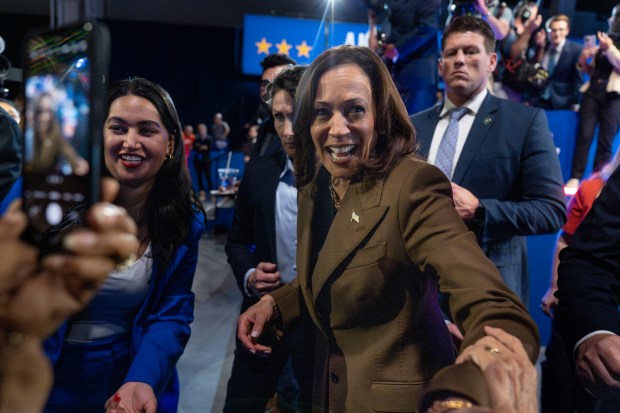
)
(490, 349)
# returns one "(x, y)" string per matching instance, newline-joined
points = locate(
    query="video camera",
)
(382, 10)
(378, 6)
(458, 8)
(523, 9)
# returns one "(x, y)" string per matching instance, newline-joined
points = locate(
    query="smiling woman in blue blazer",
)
(121, 351)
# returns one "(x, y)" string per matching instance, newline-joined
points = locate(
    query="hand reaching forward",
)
(510, 376)
(549, 302)
(132, 397)
(252, 323)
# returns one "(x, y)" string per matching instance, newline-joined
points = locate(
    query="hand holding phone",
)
(589, 40)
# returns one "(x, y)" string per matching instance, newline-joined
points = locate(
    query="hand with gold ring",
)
(492, 350)
(510, 376)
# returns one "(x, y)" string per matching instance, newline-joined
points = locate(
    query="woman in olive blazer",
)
(378, 238)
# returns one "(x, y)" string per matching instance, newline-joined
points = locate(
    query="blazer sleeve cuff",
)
(464, 380)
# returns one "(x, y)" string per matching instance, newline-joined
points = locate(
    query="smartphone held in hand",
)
(589, 40)
(64, 86)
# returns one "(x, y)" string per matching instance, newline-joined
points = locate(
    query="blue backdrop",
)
(301, 39)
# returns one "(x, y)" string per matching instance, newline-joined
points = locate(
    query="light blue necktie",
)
(447, 147)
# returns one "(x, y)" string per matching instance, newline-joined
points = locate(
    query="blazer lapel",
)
(359, 213)
(479, 130)
(305, 208)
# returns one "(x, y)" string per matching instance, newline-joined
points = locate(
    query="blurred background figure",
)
(550, 48)
(220, 131)
(407, 43)
(188, 141)
(601, 99)
(202, 160)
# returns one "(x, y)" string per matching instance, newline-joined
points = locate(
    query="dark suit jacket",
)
(373, 292)
(267, 142)
(509, 162)
(589, 271)
(565, 80)
(252, 237)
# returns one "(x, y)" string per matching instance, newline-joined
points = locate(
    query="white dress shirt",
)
(286, 226)
(465, 125)
(286, 230)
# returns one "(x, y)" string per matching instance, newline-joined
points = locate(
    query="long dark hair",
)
(395, 134)
(170, 206)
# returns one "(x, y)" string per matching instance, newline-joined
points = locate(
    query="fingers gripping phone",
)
(64, 87)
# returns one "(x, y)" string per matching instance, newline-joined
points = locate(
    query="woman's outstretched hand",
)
(252, 323)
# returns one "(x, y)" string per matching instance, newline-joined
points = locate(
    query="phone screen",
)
(589, 40)
(62, 144)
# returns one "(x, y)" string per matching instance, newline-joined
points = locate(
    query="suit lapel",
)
(483, 123)
(359, 213)
(272, 179)
(562, 59)
(425, 129)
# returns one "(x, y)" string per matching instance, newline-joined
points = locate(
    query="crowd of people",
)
(377, 238)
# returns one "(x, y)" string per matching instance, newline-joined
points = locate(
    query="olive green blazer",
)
(392, 246)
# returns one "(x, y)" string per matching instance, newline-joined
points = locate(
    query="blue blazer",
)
(510, 163)
(161, 327)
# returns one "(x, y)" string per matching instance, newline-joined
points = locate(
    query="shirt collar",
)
(558, 48)
(473, 104)
(288, 166)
